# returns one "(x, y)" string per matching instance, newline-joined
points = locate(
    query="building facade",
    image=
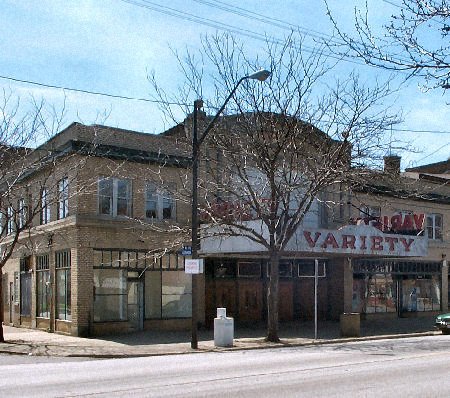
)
(104, 253)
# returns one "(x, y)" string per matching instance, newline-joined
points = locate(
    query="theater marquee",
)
(360, 240)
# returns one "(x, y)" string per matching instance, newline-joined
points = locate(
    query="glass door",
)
(135, 304)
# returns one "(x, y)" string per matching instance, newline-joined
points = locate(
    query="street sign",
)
(193, 266)
(186, 251)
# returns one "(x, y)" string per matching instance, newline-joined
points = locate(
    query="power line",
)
(122, 97)
(89, 91)
(265, 19)
(422, 131)
(230, 28)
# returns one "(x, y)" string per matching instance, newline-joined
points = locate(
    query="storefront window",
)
(176, 295)
(380, 294)
(110, 295)
(43, 288)
(63, 285)
(25, 286)
(153, 295)
(421, 295)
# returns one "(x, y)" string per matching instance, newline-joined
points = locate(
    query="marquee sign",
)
(361, 239)
(358, 240)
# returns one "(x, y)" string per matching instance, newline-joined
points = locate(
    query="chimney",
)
(392, 165)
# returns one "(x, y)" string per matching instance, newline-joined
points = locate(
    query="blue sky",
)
(109, 46)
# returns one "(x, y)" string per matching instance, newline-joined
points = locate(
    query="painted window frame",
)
(114, 198)
(159, 198)
(63, 198)
(45, 213)
(435, 231)
(63, 307)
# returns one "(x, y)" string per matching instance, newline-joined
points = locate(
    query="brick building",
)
(104, 252)
(103, 247)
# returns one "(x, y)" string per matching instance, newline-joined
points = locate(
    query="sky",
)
(110, 47)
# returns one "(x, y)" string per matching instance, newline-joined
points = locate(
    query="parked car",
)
(443, 323)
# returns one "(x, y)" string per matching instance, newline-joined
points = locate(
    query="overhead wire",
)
(230, 28)
(122, 97)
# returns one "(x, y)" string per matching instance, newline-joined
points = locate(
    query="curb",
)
(243, 347)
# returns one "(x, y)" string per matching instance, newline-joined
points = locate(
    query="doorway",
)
(135, 304)
(11, 302)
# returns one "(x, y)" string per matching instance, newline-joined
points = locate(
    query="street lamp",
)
(196, 142)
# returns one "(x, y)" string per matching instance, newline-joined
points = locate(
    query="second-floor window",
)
(434, 226)
(10, 220)
(114, 197)
(63, 198)
(159, 204)
(45, 207)
(22, 213)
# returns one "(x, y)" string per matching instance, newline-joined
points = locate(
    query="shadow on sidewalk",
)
(326, 330)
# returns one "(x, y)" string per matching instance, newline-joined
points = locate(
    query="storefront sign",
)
(396, 223)
(362, 239)
(359, 240)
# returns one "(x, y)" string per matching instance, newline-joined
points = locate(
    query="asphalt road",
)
(413, 367)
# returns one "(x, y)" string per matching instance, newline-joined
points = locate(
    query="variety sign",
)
(361, 239)
(358, 240)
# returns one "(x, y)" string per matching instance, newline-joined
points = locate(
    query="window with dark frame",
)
(159, 203)
(63, 198)
(63, 285)
(434, 226)
(43, 288)
(25, 286)
(114, 197)
(45, 207)
(306, 269)
(10, 224)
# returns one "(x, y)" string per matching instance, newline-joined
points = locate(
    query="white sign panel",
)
(192, 266)
(353, 239)
(365, 240)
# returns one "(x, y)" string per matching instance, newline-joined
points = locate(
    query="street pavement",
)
(149, 343)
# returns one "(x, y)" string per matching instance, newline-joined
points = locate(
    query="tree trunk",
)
(272, 299)
(2, 338)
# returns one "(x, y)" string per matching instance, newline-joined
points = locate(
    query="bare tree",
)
(23, 126)
(415, 40)
(281, 144)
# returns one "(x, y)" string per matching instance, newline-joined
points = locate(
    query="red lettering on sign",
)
(391, 242)
(330, 240)
(418, 220)
(363, 242)
(396, 222)
(348, 241)
(376, 242)
(311, 242)
(407, 244)
(408, 223)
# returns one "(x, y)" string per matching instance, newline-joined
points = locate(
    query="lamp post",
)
(196, 143)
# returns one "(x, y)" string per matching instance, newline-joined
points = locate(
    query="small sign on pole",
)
(193, 266)
(186, 251)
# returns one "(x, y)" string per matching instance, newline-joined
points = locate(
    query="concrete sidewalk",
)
(149, 343)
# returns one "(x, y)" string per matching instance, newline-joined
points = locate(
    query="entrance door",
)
(250, 301)
(135, 304)
(11, 301)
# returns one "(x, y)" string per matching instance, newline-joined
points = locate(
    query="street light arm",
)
(213, 121)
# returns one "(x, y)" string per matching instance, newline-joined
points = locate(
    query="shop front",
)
(404, 288)
(362, 269)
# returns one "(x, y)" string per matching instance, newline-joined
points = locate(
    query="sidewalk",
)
(148, 343)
